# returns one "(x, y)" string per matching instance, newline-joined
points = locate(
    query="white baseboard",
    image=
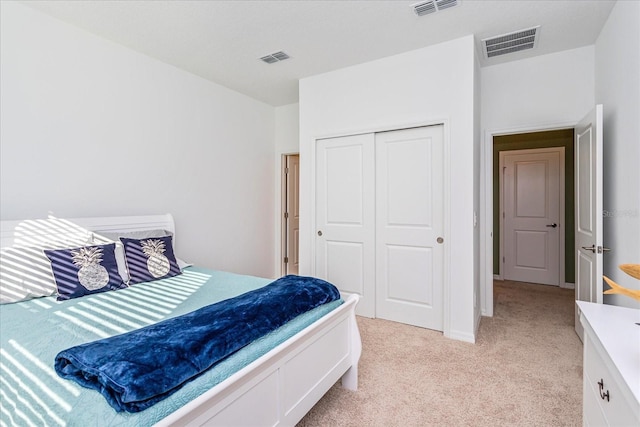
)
(567, 285)
(497, 277)
(462, 336)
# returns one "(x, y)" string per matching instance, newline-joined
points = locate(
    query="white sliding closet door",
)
(379, 222)
(345, 213)
(410, 226)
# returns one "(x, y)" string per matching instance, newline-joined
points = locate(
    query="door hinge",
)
(286, 215)
(286, 170)
(286, 259)
(502, 259)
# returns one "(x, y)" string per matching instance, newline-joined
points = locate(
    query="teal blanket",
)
(135, 370)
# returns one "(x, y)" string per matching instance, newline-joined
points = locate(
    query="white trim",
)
(462, 336)
(567, 285)
(283, 208)
(486, 224)
(446, 291)
(437, 120)
(486, 228)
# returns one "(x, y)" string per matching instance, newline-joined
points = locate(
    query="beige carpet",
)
(524, 370)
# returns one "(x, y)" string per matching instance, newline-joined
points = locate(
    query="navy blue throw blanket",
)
(135, 370)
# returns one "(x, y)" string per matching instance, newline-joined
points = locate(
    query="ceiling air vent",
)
(431, 6)
(446, 4)
(512, 42)
(275, 57)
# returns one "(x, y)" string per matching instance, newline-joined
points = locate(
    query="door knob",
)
(596, 249)
(319, 232)
(554, 225)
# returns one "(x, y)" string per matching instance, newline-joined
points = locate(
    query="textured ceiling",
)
(223, 40)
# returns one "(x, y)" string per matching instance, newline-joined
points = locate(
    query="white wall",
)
(287, 141)
(539, 92)
(90, 128)
(287, 128)
(428, 85)
(617, 87)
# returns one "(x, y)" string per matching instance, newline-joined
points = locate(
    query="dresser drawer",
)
(608, 390)
(592, 410)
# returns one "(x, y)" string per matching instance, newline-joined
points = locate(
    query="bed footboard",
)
(280, 387)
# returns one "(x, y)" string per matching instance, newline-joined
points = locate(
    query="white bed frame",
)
(280, 387)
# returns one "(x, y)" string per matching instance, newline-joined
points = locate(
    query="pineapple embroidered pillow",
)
(85, 270)
(150, 259)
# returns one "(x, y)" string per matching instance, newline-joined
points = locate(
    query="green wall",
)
(556, 138)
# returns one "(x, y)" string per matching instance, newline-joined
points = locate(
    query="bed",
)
(275, 380)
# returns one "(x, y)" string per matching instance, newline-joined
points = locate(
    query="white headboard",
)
(42, 231)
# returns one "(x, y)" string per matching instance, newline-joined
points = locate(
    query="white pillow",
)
(138, 234)
(183, 264)
(25, 273)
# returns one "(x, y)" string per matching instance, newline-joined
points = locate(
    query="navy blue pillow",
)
(150, 259)
(85, 270)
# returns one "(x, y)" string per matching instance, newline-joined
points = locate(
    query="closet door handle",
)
(554, 225)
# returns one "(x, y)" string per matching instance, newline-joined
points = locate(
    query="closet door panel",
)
(407, 267)
(409, 221)
(345, 263)
(345, 213)
(405, 177)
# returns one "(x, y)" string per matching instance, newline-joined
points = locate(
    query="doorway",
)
(532, 205)
(290, 213)
(563, 138)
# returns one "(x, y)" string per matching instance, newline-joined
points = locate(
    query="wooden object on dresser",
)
(611, 379)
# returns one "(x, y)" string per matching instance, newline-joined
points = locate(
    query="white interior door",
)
(293, 213)
(532, 183)
(410, 226)
(588, 210)
(345, 234)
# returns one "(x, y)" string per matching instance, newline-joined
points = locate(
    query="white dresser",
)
(611, 380)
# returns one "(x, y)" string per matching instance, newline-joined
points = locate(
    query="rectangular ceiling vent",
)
(275, 57)
(446, 4)
(512, 42)
(432, 6)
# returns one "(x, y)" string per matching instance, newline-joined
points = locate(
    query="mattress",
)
(33, 332)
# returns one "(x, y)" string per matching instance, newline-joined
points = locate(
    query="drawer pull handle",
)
(605, 395)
